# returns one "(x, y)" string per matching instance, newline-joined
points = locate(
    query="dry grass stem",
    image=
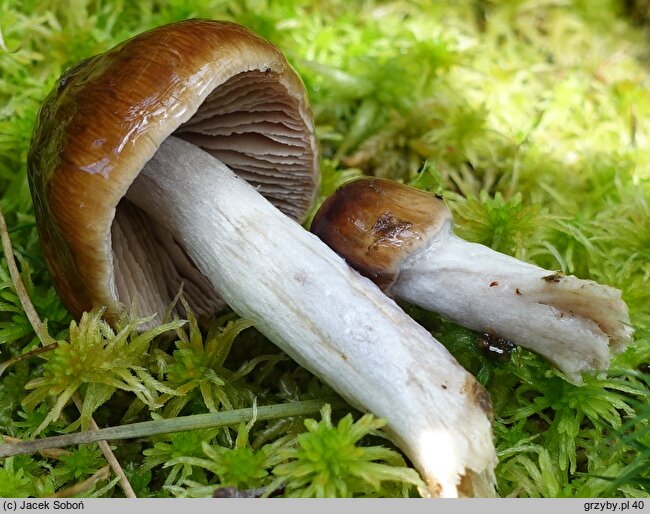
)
(37, 325)
(82, 487)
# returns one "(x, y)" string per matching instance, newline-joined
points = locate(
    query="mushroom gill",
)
(251, 123)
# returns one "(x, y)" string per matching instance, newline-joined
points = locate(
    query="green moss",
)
(99, 359)
(531, 118)
(328, 462)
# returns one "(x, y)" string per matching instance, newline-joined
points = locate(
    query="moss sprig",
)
(240, 465)
(100, 361)
(328, 461)
(174, 453)
(197, 367)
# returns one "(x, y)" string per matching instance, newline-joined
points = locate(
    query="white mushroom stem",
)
(332, 321)
(570, 321)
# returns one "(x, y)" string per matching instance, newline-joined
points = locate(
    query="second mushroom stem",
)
(571, 322)
(332, 321)
(403, 239)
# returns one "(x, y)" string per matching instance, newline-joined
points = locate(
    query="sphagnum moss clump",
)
(327, 461)
(196, 367)
(532, 114)
(100, 359)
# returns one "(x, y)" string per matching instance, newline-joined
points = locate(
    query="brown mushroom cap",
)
(376, 223)
(215, 84)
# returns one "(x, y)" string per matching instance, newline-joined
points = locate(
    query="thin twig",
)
(108, 454)
(28, 355)
(164, 426)
(37, 325)
(21, 291)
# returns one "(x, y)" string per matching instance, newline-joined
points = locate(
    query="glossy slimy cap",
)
(215, 84)
(376, 223)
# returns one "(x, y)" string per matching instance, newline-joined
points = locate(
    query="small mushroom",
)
(137, 171)
(402, 238)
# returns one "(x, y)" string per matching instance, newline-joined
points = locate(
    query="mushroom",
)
(402, 238)
(148, 167)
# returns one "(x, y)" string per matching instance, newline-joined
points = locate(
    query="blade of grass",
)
(165, 426)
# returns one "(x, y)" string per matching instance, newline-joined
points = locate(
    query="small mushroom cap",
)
(376, 223)
(215, 84)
